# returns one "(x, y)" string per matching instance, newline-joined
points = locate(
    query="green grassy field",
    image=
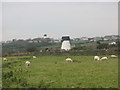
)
(0, 73)
(55, 72)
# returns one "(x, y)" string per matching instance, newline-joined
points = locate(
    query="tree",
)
(102, 46)
(79, 48)
(31, 49)
(98, 42)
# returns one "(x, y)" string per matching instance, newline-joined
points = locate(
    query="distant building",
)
(76, 39)
(29, 41)
(112, 43)
(51, 40)
(108, 37)
(111, 37)
(8, 41)
(20, 40)
(35, 41)
(91, 39)
(84, 38)
(56, 41)
(98, 38)
(115, 37)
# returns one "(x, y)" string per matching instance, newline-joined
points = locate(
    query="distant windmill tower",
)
(45, 36)
(65, 43)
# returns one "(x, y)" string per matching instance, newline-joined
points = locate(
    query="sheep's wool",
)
(66, 45)
(68, 59)
(27, 62)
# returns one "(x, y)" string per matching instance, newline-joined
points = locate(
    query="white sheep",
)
(34, 57)
(4, 59)
(96, 58)
(69, 60)
(113, 56)
(103, 58)
(27, 63)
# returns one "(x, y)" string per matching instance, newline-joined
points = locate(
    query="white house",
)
(112, 43)
(84, 38)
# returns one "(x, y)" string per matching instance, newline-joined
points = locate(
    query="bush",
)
(7, 75)
(78, 48)
(102, 46)
(31, 49)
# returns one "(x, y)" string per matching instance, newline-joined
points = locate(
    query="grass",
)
(0, 72)
(55, 72)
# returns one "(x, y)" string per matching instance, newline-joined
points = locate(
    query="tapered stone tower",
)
(65, 43)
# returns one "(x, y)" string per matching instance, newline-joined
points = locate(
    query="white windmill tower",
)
(66, 43)
(45, 36)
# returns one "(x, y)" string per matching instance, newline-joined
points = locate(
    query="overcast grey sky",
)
(33, 19)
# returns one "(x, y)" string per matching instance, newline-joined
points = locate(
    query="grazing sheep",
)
(103, 58)
(34, 57)
(4, 59)
(69, 60)
(96, 58)
(27, 63)
(113, 56)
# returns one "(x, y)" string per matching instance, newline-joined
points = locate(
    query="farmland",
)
(0, 73)
(55, 72)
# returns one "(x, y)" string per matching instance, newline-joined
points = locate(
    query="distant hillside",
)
(22, 45)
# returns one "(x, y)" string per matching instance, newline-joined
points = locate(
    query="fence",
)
(67, 53)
